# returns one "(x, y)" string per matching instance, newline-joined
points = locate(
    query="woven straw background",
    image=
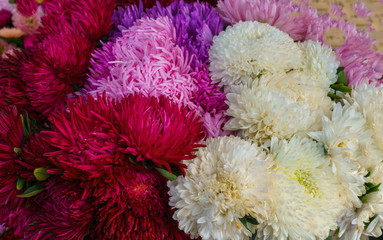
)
(376, 19)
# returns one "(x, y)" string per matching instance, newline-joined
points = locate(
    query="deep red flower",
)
(145, 214)
(92, 17)
(55, 65)
(12, 208)
(12, 88)
(158, 130)
(27, 7)
(63, 212)
(5, 17)
(9, 235)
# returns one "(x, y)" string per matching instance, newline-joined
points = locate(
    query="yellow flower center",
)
(304, 178)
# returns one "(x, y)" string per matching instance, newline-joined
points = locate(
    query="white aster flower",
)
(242, 52)
(344, 137)
(226, 181)
(279, 105)
(320, 63)
(368, 219)
(306, 196)
(369, 100)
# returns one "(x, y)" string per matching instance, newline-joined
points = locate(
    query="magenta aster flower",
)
(55, 65)
(336, 10)
(285, 15)
(27, 7)
(92, 17)
(5, 17)
(146, 60)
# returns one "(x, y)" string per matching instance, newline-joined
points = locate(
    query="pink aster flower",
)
(5, 48)
(147, 60)
(28, 24)
(356, 55)
(336, 10)
(361, 11)
(285, 15)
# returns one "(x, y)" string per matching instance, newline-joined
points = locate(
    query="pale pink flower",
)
(336, 10)
(361, 11)
(29, 25)
(285, 15)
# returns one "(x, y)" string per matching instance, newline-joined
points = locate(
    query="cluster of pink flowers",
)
(101, 101)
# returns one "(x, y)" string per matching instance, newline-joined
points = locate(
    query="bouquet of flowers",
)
(187, 120)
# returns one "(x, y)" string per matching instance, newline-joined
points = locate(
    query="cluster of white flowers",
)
(301, 165)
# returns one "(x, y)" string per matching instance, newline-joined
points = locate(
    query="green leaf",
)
(41, 174)
(341, 87)
(339, 70)
(244, 223)
(20, 183)
(342, 79)
(17, 150)
(368, 174)
(25, 131)
(251, 220)
(166, 174)
(12, 1)
(32, 191)
(333, 96)
(325, 150)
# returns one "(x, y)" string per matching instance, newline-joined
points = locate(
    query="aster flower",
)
(5, 17)
(54, 67)
(290, 18)
(242, 52)
(226, 181)
(5, 48)
(144, 213)
(92, 17)
(366, 220)
(361, 63)
(63, 212)
(344, 137)
(114, 135)
(147, 61)
(275, 105)
(361, 11)
(12, 88)
(124, 18)
(336, 10)
(27, 7)
(28, 24)
(196, 24)
(320, 63)
(367, 98)
(306, 197)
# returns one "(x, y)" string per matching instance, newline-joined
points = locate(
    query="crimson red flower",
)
(27, 7)
(92, 17)
(5, 17)
(158, 130)
(63, 212)
(55, 65)
(98, 138)
(12, 88)
(12, 211)
(145, 213)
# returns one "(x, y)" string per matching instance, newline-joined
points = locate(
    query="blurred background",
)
(365, 14)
